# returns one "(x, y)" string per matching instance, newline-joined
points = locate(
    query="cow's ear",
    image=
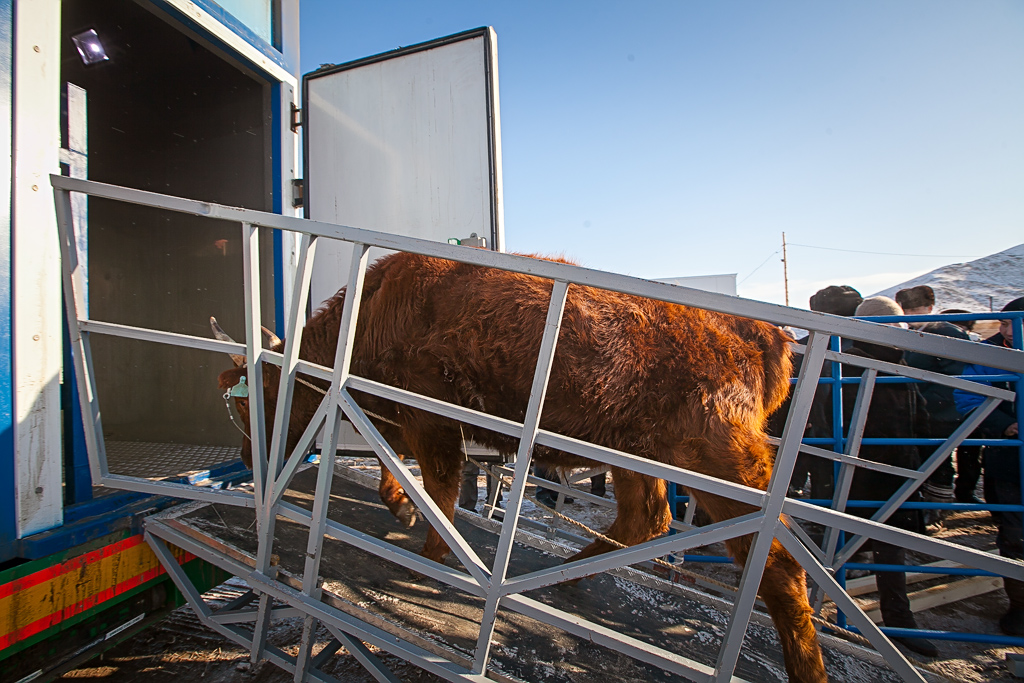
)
(230, 378)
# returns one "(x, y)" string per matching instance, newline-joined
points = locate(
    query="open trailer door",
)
(406, 142)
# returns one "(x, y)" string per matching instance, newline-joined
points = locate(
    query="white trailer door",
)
(406, 142)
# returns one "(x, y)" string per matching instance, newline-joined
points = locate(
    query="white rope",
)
(834, 628)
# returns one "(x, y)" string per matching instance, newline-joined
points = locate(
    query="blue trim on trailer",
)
(126, 512)
(118, 510)
(8, 515)
(236, 27)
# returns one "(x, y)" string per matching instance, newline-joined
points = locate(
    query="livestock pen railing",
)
(842, 441)
(273, 469)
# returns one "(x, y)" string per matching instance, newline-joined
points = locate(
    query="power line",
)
(879, 253)
(759, 267)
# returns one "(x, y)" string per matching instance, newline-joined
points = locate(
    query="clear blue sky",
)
(663, 139)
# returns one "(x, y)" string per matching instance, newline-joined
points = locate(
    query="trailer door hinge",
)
(296, 118)
(298, 193)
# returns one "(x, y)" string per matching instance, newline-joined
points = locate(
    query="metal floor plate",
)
(165, 460)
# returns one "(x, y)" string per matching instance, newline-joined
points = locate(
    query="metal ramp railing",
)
(273, 469)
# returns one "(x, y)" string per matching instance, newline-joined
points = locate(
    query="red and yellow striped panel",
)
(43, 599)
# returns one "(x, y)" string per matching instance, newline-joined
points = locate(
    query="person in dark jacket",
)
(896, 411)
(943, 416)
(968, 458)
(837, 300)
(1002, 469)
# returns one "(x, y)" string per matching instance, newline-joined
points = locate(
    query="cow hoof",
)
(407, 514)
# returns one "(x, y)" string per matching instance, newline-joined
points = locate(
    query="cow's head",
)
(234, 383)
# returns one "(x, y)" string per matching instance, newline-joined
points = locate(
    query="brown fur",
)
(674, 384)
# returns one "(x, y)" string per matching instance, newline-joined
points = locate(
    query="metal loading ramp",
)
(443, 621)
(276, 499)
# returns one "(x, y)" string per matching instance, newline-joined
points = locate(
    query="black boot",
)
(893, 601)
(921, 646)
(1012, 623)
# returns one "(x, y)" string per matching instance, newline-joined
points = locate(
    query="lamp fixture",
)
(89, 47)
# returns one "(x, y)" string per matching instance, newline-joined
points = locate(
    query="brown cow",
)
(670, 383)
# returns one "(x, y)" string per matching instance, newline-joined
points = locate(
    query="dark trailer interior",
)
(172, 113)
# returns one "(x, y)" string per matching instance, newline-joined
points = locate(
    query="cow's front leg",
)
(440, 463)
(393, 495)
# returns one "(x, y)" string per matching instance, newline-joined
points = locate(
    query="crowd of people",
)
(915, 411)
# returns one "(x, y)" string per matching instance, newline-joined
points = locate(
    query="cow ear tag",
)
(240, 390)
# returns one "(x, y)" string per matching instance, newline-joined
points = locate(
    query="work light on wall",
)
(90, 49)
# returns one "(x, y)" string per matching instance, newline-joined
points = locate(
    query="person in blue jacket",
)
(1002, 469)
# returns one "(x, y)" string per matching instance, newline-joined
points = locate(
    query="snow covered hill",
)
(969, 285)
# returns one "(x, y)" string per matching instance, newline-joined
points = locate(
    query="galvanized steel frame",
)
(274, 469)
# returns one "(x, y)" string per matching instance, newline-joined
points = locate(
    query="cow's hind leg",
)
(784, 591)
(783, 584)
(393, 495)
(643, 512)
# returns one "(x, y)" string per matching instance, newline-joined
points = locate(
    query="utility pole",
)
(785, 268)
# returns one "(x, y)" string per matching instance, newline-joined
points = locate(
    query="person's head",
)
(837, 300)
(965, 325)
(1006, 326)
(878, 306)
(916, 300)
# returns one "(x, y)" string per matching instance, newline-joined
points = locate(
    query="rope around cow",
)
(240, 390)
(676, 567)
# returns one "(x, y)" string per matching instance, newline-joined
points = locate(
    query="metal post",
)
(254, 358)
(76, 309)
(837, 443)
(782, 472)
(332, 425)
(266, 505)
(1017, 324)
(286, 390)
(531, 424)
(858, 422)
(77, 479)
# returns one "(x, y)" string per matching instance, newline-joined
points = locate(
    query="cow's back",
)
(624, 365)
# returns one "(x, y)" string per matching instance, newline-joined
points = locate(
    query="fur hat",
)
(916, 297)
(1015, 305)
(878, 305)
(837, 300)
(962, 324)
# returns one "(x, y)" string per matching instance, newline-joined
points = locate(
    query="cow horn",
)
(271, 339)
(220, 334)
